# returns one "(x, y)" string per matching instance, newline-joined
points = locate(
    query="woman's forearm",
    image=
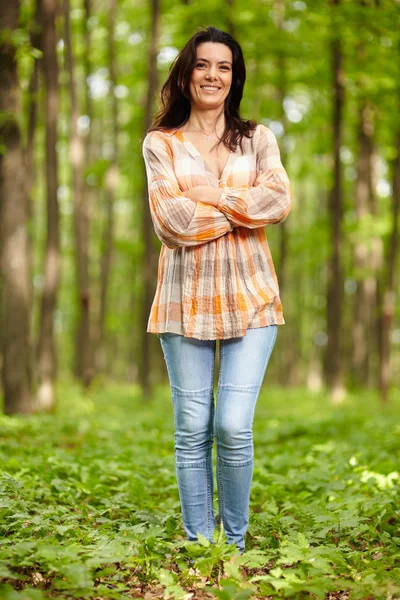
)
(205, 194)
(208, 194)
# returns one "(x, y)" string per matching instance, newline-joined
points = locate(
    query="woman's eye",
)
(224, 67)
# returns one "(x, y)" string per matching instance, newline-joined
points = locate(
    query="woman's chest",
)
(214, 156)
(193, 167)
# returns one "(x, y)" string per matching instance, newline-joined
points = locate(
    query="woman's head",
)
(213, 56)
(210, 81)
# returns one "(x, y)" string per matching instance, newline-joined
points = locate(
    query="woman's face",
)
(213, 69)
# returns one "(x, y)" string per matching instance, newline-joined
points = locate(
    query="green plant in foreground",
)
(90, 506)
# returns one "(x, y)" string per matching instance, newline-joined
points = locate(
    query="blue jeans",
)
(190, 365)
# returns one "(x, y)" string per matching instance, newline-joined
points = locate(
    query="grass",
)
(90, 506)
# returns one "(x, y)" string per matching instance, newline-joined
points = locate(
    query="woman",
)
(215, 180)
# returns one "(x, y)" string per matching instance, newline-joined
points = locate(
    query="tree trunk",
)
(333, 371)
(90, 195)
(46, 347)
(32, 113)
(287, 362)
(389, 295)
(364, 272)
(367, 253)
(150, 257)
(83, 361)
(14, 259)
(111, 184)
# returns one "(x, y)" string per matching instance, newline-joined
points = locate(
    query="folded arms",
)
(179, 221)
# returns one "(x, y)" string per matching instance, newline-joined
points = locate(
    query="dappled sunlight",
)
(382, 481)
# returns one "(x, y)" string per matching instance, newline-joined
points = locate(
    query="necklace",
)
(209, 136)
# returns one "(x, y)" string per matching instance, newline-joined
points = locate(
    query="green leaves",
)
(90, 505)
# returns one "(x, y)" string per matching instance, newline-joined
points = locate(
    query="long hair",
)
(175, 95)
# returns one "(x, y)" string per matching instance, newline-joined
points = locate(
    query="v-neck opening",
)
(197, 154)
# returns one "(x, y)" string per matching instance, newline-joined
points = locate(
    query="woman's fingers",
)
(268, 176)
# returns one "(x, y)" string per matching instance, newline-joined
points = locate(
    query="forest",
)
(89, 503)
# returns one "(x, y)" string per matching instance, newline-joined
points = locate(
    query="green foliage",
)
(90, 505)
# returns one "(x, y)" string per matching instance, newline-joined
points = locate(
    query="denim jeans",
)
(190, 365)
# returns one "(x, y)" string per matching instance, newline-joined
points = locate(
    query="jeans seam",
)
(237, 463)
(240, 387)
(201, 464)
(209, 451)
(189, 392)
(219, 464)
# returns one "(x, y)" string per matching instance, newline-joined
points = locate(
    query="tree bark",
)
(333, 370)
(363, 261)
(15, 294)
(29, 156)
(83, 360)
(288, 359)
(90, 195)
(111, 184)
(47, 365)
(150, 256)
(389, 295)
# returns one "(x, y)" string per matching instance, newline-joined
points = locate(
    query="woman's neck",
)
(208, 121)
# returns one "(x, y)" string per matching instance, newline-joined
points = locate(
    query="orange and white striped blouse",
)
(216, 277)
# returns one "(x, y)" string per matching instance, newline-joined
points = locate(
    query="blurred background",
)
(88, 492)
(79, 86)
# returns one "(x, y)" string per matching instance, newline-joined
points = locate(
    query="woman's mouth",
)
(211, 89)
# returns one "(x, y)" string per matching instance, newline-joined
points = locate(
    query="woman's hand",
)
(210, 195)
(263, 177)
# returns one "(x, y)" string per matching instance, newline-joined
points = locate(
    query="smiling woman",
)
(214, 180)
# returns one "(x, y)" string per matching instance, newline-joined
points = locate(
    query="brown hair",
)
(175, 95)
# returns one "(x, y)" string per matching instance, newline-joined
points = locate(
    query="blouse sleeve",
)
(263, 204)
(177, 220)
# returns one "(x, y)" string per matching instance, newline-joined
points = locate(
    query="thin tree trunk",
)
(111, 184)
(150, 258)
(90, 194)
(389, 295)
(333, 370)
(367, 255)
(32, 112)
(366, 284)
(46, 348)
(83, 360)
(30, 174)
(290, 335)
(14, 260)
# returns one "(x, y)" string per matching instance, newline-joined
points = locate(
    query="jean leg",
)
(190, 365)
(243, 362)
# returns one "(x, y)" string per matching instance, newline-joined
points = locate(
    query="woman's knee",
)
(193, 426)
(232, 433)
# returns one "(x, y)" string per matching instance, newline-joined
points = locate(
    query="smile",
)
(209, 88)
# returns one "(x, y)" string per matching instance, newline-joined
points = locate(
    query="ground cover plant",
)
(90, 506)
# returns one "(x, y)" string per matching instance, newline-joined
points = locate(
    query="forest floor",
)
(90, 505)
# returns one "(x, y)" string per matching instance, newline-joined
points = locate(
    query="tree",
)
(335, 276)
(147, 225)
(47, 356)
(14, 258)
(83, 366)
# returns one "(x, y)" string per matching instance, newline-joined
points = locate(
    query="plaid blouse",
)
(216, 277)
